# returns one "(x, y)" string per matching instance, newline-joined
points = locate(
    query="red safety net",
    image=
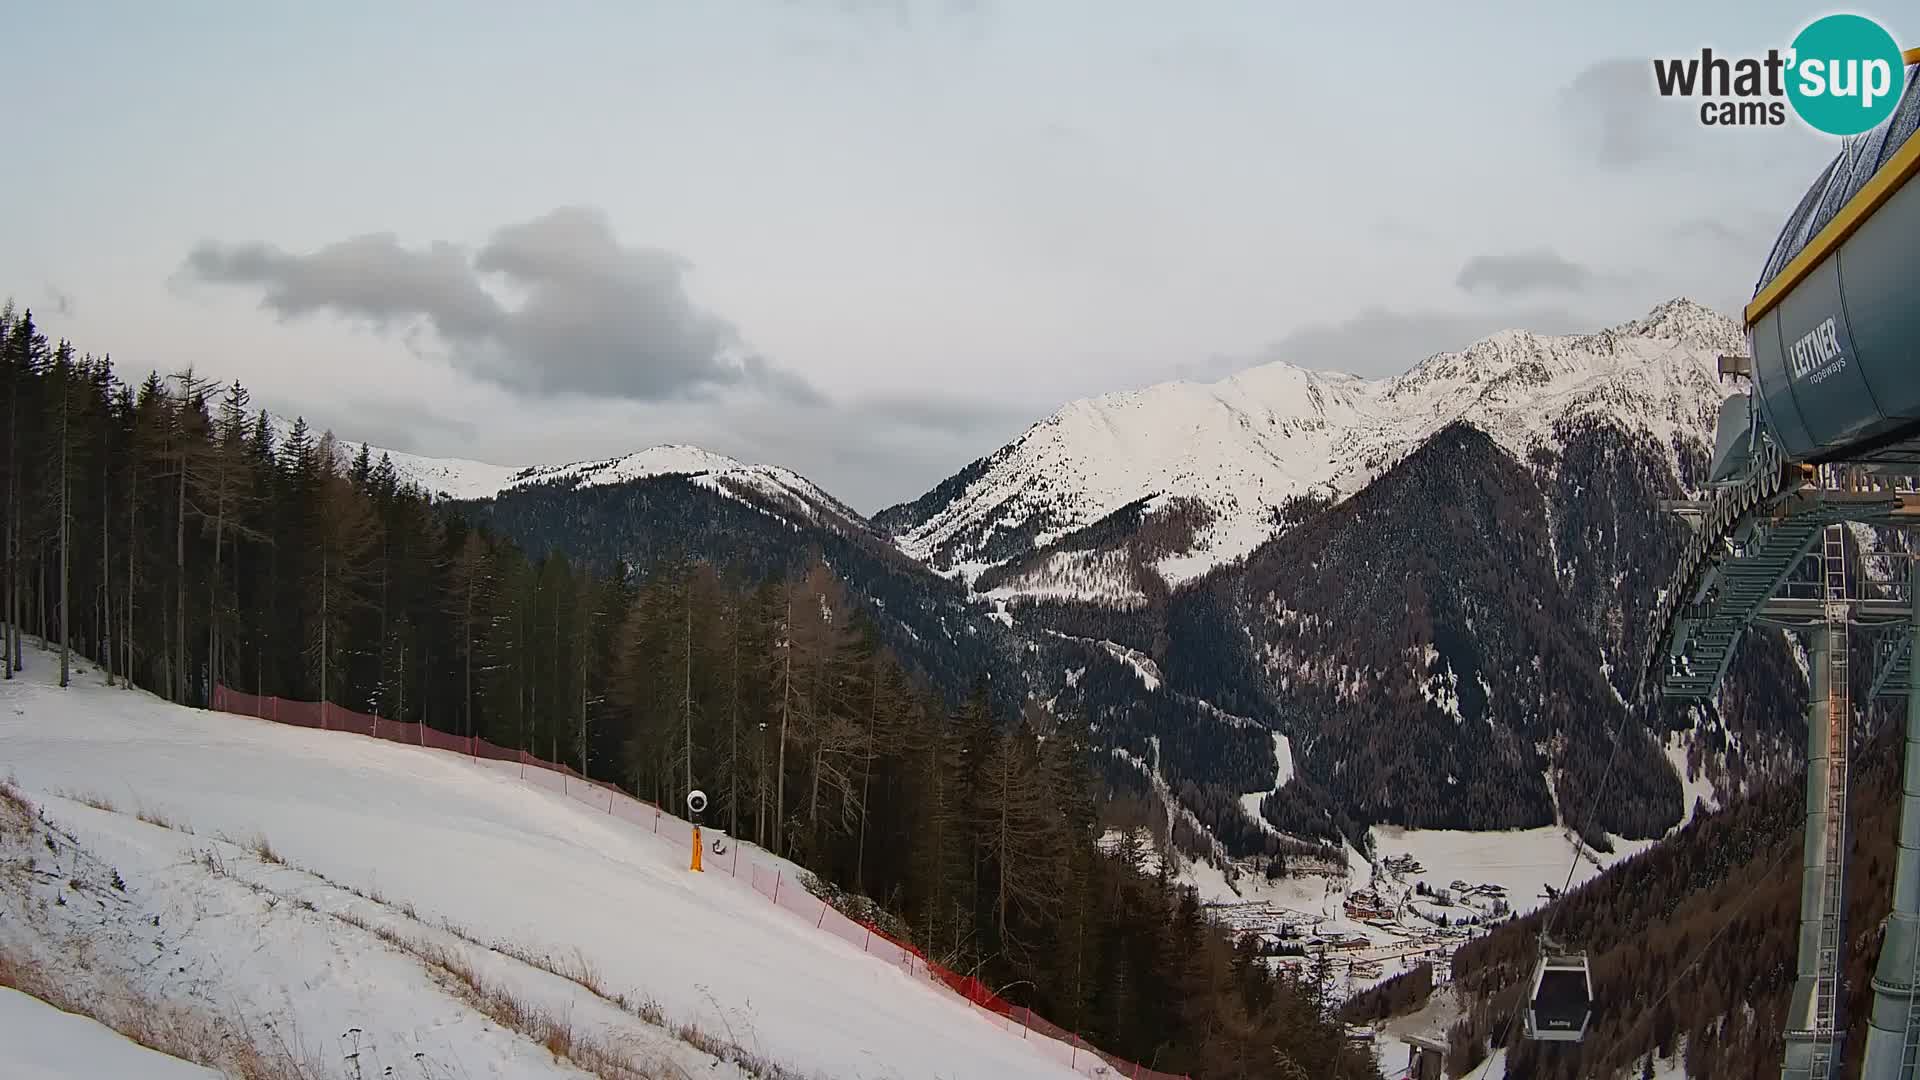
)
(770, 881)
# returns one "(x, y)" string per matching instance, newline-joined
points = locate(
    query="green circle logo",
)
(1846, 75)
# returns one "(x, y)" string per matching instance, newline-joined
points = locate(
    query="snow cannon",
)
(696, 805)
(1834, 326)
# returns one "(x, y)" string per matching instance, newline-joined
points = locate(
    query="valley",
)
(1104, 589)
(1360, 731)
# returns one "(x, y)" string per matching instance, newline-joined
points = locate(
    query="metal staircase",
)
(1735, 567)
(1767, 552)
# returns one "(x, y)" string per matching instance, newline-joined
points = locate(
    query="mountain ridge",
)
(1481, 377)
(1242, 446)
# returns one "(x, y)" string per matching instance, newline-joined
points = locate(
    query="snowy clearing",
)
(1522, 861)
(415, 841)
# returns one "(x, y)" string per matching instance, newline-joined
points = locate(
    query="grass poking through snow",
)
(263, 850)
(16, 811)
(189, 1033)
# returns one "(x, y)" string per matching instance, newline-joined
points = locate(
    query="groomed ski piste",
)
(365, 906)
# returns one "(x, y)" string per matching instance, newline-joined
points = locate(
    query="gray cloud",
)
(369, 277)
(594, 317)
(1617, 118)
(1200, 60)
(872, 452)
(948, 415)
(1379, 341)
(904, 14)
(1398, 230)
(1744, 237)
(1522, 272)
(844, 32)
(388, 423)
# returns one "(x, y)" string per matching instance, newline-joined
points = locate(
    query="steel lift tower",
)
(1804, 529)
(1827, 440)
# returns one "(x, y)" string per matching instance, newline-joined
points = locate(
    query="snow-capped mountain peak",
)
(1689, 323)
(769, 486)
(670, 459)
(1230, 453)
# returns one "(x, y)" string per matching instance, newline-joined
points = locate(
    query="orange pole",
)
(696, 849)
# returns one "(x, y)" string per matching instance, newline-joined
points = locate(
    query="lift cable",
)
(1787, 847)
(1520, 1006)
(1593, 804)
(1746, 896)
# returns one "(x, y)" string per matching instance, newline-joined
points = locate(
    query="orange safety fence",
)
(771, 882)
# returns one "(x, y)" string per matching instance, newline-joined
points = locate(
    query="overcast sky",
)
(868, 240)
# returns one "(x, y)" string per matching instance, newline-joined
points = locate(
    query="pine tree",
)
(25, 355)
(63, 378)
(342, 538)
(223, 489)
(1022, 843)
(188, 446)
(471, 596)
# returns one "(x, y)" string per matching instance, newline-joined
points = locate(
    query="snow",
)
(1283, 761)
(451, 478)
(1495, 1068)
(669, 460)
(462, 843)
(445, 478)
(1693, 788)
(1282, 773)
(461, 479)
(1243, 445)
(1104, 577)
(1442, 688)
(179, 934)
(39, 1042)
(1521, 861)
(1209, 881)
(1142, 664)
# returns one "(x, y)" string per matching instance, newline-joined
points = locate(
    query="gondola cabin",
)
(1562, 1002)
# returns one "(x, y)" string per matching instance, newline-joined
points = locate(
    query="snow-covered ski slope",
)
(39, 1042)
(471, 845)
(1241, 446)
